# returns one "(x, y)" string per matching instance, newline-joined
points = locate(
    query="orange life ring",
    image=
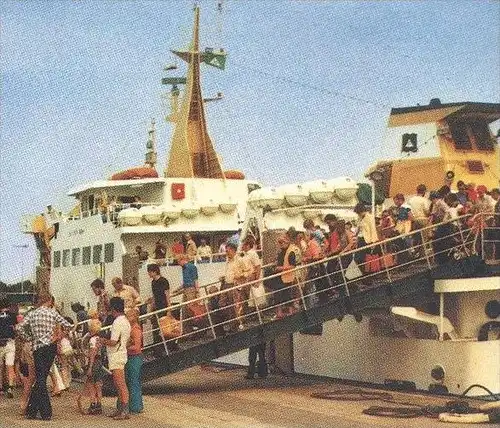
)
(134, 173)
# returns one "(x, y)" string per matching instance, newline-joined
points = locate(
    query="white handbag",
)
(66, 348)
(257, 296)
(353, 271)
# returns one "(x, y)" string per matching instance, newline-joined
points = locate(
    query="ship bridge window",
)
(65, 258)
(75, 256)
(86, 251)
(482, 136)
(96, 254)
(109, 253)
(460, 136)
(56, 259)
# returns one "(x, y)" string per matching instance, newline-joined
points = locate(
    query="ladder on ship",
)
(406, 276)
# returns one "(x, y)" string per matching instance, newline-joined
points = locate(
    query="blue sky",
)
(308, 87)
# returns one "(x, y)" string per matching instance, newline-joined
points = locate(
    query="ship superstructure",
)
(446, 142)
(138, 206)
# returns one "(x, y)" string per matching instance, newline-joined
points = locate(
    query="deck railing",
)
(232, 309)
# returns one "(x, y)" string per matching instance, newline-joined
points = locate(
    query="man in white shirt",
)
(256, 292)
(116, 348)
(420, 208)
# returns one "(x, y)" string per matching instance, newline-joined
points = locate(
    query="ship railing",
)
(173, 261)
(234, 308)
(489, 226)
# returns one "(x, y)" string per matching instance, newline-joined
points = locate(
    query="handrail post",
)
(259, 315)
(382, 245)
(299, 285)
(343, 277)
(424, 249)
(161, 334)
(483, 226)
(210, 319)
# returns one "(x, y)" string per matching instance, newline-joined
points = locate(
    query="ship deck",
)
(210, 397)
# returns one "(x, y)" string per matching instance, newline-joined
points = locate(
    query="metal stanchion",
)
(384, 263)
(210, 319)
(426, 253)
(344, 278)
(161, 333)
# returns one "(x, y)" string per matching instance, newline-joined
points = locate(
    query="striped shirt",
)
(39, 324)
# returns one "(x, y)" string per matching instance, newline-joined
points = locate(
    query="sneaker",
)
(97, 409)
(121, 416)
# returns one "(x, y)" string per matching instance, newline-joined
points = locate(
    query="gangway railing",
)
(181, 329)
(230, 310)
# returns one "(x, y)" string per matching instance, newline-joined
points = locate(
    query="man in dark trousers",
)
(7, 345)
(261, 366)
(160, 289)
(39, 327)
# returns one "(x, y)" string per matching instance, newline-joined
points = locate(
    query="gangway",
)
(406, 277)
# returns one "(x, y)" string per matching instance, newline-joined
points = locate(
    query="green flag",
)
(215, 59)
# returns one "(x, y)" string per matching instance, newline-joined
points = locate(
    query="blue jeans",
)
(133, 378)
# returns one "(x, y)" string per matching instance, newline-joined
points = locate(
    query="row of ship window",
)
(84, 256)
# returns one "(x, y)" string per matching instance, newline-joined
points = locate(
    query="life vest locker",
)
(178, 191)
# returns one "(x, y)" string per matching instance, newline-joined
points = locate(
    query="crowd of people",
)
(45, 344)
(195, 248)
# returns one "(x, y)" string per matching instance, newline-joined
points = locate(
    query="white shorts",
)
(117, 361)
(8, 352)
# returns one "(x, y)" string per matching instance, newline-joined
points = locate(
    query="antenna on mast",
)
(151, 154)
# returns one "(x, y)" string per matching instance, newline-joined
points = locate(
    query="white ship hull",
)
(347, 350)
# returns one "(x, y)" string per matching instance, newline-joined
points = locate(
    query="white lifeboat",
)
(320, 191)
(171, 212)
(271, 197)
(151, 214)
(191, 210)
(311, 214)
(228, 206)
(295, 194)
(254, 198)
(345, 188)
(130, 217)
(292, 211)
(209, 207)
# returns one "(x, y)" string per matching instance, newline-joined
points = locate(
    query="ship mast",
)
(192, 154)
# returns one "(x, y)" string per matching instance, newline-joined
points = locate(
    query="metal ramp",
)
(408, 281)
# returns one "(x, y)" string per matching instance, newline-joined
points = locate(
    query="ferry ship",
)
(195, 195)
